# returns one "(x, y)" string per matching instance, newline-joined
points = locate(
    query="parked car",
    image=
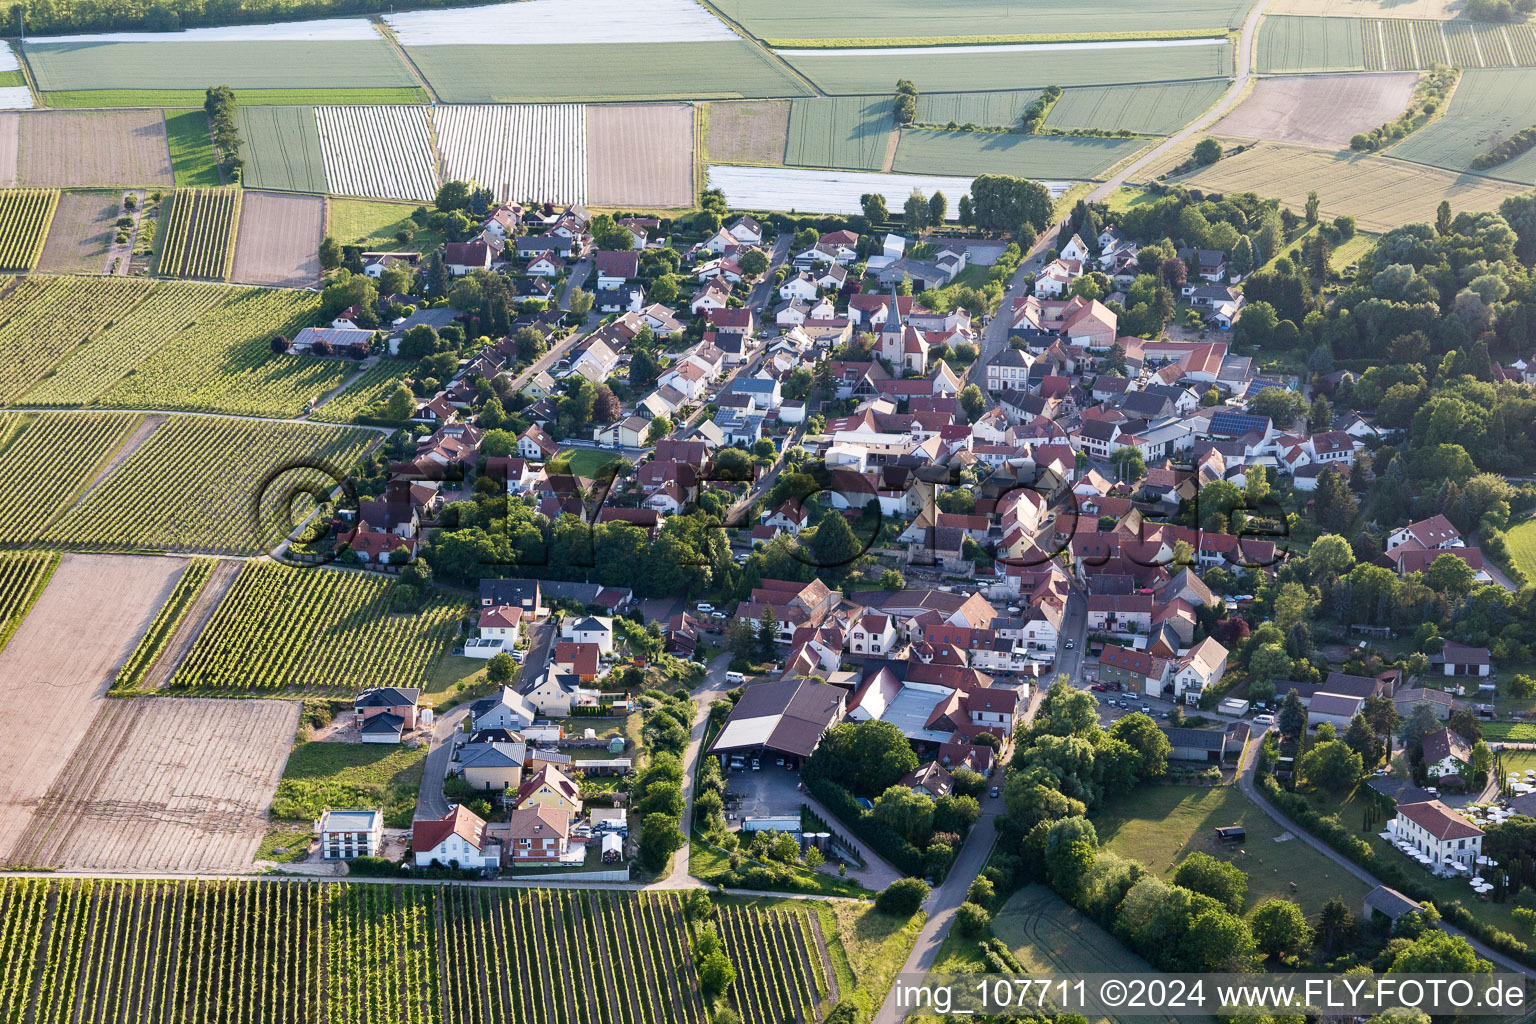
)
(705, 607)
(1263, 719)
(1147, 708)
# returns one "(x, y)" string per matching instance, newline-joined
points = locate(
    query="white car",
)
(705, 607)
(1263, 719)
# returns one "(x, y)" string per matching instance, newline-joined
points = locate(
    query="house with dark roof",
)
(1446, 753)
(787, 717)
(396, 701)
(1197, 744)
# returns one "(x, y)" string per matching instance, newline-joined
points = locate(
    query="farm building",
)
(1197, 744)
(788, 717)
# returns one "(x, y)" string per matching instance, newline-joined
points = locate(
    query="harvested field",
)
(1487, 106)
(840, 131)
(1161, 108)
(1379, 192)
(246, 64)
(279, 239)
(923, 151)
(94, 147)
(55, 671)
(10, 137)
(640, 155)
(377, 151)
(518, 151)
(816, 191)
(1318, 110)
(282, 149)
(82, 232)
(748, 131)
(164, 784)
(1434, 10)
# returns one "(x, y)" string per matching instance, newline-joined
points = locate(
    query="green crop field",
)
(1054, 157)
(1289, 43)
(1522, 547)
(321, 774)
(25, 214)
(225, 363)
(197, 237)
(983, 109)
(282, 628)
(23, 575)
(1310, 44)
(287, 950)
(1488, 105)
(636, 71)
(982, 71)
(150, 645)
(290, 64)
(47, 461)
(44, 319)
(93, 98)
(787, 20)
(840, 131)
(1145, 109)
(282, 149)
(212, 486)
(133, 337)
(377, 383)
(192, 156)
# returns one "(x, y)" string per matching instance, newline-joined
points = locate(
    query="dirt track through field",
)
(140, 434)
(94, 147)
(165, 784)
(192, 623)
(640, 155)
(1318, 110)
(279, 240)
(81, 234)
(55, 671)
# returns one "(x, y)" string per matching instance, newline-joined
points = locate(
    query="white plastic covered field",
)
(815, 191)
(534, 22)
(383, 152)
(520, 151)
(322, 30)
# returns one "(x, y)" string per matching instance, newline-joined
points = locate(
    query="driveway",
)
(431, 804)
(712, 689)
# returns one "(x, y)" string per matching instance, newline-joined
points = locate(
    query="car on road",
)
(1147, 708)
(1098, 687)
(705, 607)
(1263, 719)
(1071, 645)
(994, 792)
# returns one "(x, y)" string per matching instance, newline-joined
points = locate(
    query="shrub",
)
(903, 897)
(972, 919)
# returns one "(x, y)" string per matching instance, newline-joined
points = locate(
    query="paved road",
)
(1247, 769)
(712, 689)
(761, 296)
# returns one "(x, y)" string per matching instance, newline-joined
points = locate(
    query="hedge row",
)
(880, 837)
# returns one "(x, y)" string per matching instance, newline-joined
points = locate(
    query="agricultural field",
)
(282, 149)
(385, 152)
(173, 785)
(278, 240)
(545, 22)
(10, 138)
(139, 333)
(640, 155)
(81, 234)
(53, 689)
(1487, 106)
(859, 72)
(47, 462)
(44, 319)
(1318, 110)
(23, 575)
(983, 109)
(1521, 539)
(197, 237)
(205, 952)
(780, 974)
(748, 131)
(165, 625)
(210, 485)
(225, 363)
(927, 151)
(193, 161)
(284, 629)
(1432, 10)
(519, 152)
(616, 72)
(794, 20)
(840, 131)
(374, 224)
(243, 64)
(377, 383)
(25, 214)
(94, 99)
(817, 191)
(1160, 109)
(1379, 192)
(94, 147)
(1309, 44)
(1295, 44)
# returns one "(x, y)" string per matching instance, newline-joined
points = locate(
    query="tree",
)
(1331, 765)
(1141, 734)
(906, 812)
(581, 302)
(1292, 718)
(1333, 506)
(330, 253)
(972, 919)
(1443, 217)
(902, 898)
(938, 209)
(967, 213)
(867, 757)
(1450, 575)
(1363, 741)
(1207, 152)
(1335, 927)
(660, 838)
(1002, 202)
(873, 204)
(1280, 929)
(400, 406)
(1128, 463)
(834, 545)
(660, 427)
(972, 402)
(892, 580)
(716, 973)
(1313, 205)
(1438, 952)
(1422, 719)
(500, 668)
(1225, 883)
(753, 262)
(915, 213)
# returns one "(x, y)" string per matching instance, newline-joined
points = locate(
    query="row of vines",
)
(199, 234)
(23, 575)
(25, 214)
(780, 976)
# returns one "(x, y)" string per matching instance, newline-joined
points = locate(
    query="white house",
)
(1201, 667)
(507, 709)
(1075, 249)
(873, 633)
(1435, 830)
(458, 838)
(589, 629)
(345, 834)
(802, 286)
(1446, 753)
(1434, 532)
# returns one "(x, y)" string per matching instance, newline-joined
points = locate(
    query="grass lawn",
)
(243, 97)
(320, 775)
(588, 462)
(1522, 545)
(1123, 199)
(875, 946)
(192, 156)
(372, 223)
(291, 838)
(1161, 825)
(1509, 732)
(1351, 251)
(706, 861)
(443, 683)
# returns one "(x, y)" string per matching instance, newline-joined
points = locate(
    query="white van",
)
(735, 677)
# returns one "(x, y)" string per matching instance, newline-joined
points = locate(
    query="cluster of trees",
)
(219, 104)
(905, 103)
(1039, 108)
(919, 214)
(657, 795)
(1500, 10)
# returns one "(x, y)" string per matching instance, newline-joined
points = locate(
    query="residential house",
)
(1440, 833)
(589, 629)
(537, 833)
(395, 706)
(1436, 532)
(614, 267)
(1198, 669)
(1447, 753)
(348, 833)
(462, 257)
(550, 787)
(1136, 670)
(457, 839)
(536, 445)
